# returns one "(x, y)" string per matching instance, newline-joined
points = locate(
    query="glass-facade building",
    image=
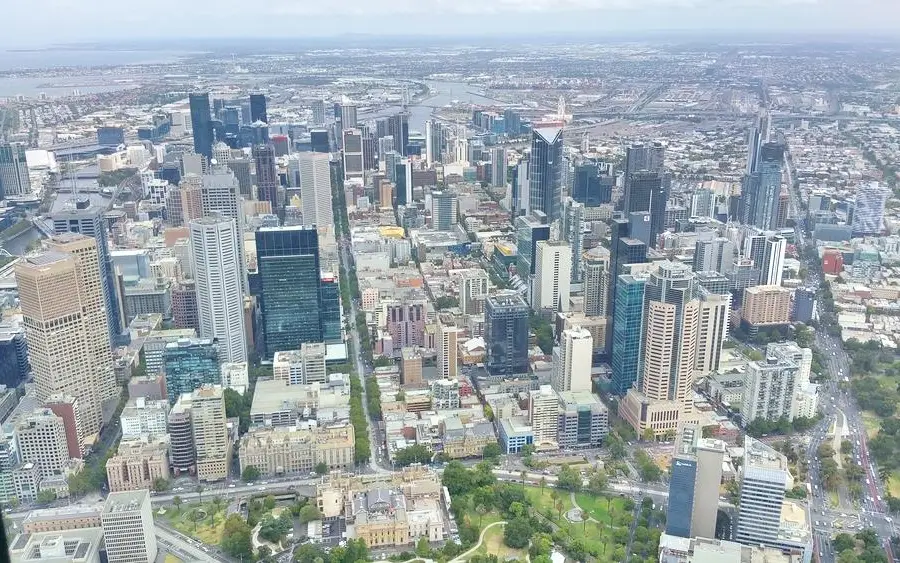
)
(201, 124)
(288, 263)
(681, 497)
(590, 187)
(189, 364)
(13, 356)
(627, 326)
(545, 171)
(330, 297)
(530, 230)
(506, 318)
(258, 108)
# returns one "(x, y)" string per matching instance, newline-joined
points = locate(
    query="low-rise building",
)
(466, 440)
(72, 517)
(296, 450)
(515, 434)
(138, 463)
(81, 545)
(675, 549)
(583, 420)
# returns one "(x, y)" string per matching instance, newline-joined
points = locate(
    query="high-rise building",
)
(762, 187)
(330, 308)
(128, 531)
(624, 251)
(353, 153)
(498, 166)
(241, 167)
(211, 441)
(443, 210)
(411, 367)
(14, 180)
(185, 203)
(403, 193)
(593, 184)
(317, 107)
(804, 304)
(627, 330)
(348, 115)
(766, 305)
(545, 171)
(714, 255)
(434, 142)
(695, 476)
(220, 194)
(671, 325)
(85, 250)
(320, 140)
(543, 412)
(583, 420)
(398, 128)
(572, 230)
(80, 216)
(772, 267)
(301, 367)
(59, 335)
(189, 364)
(572, 361)
(266, 174)
(473, 290)
(288, 263)
(217, 252)
(201, 124)
(868, 213)
(447, 352)
(506, 329)
(258, 108)
(530, 230)
(553, 276)
(595, 263)
(765, 476)
(41, 439)
(315, 189)
(715, 311)
(770, 388)
(703, 203)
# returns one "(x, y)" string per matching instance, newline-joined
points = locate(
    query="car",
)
(231, 486)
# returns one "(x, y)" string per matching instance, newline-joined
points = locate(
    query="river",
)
(440, 94)
(17, 245)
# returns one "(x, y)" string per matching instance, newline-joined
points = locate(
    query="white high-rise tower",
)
(315, 189)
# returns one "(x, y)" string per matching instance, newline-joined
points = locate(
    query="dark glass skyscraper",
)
(189, 364)
(288, 263)
(545, 171)
(318, 140)
(258, 108)
(201, 124)
(266, 174)
(759, 200)
(330, 299)
(506, 318)
(398, 127)
(626, 339)
(680, 507)
(591, 187)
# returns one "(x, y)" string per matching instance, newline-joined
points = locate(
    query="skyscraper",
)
(695, 476)
(14, 180)
(348, 115)
(596, 282)
(80, 216)
(545, 171)
(434, 142)
(664, 394)
(714, 255)
(189, 364)
(573, 232)
(317, 107)
(593, 184)
(58, 333)
(498, 166)
(765, 475)
(398, 128)
(553, 275)
(315, 189)
(216, 249)
(41, 439)
(762, 186)
(288, 263)
(211, 441)
(572, 361)
(353, 153)
(201, 124)
(506, 328)
(128, 531)
(770, 388)
(715, 311)
(443, 211)
(447, 353)
(266, 174)
(530, 230)
(258, 108)
(772, 268)
(627, 329)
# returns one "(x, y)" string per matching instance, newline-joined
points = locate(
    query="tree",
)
(491, 452)
(445, 302)
(648, 435)
(481, 510)
(177, 502)
(275, 529)
(517, 533)
(457, 478)
(842, 542)
(160, 484)
(568, 479)
(199, 491)
(269, 502)
(309, 513)
(597, 482)
(543, 483)
(250, 474)
(46, 496)
(321, 468)
(236, 540)
(417, 453)
(584, 519)
(423, 549)
(616, 446)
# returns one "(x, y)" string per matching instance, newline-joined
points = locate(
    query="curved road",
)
(461, 557)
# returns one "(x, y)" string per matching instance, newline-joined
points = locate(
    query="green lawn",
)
(205, 521)
(493, 545)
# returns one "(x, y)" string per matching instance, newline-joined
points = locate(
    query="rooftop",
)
(125, 501)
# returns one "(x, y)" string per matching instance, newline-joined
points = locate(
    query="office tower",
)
(348, 115)
(755, 246)
(211, 441)
(715, 310)
(572, 231)
(592, 184)
(398, 128)
(385, 145)
(266, 174)
(714, 255)
(703, 203)
(221, 154)
(240, 167)
(80, 216)
(447, 365)
(506, 329)
(41, 439)
(258, 108)
(288, 263)
(583, 420)
(804, 304)
(518, 193)
(14, 180)
(765, 476)
(184, 305)
(411, 367)
(543, 411)
(434, 142)
(201, 124)
(217, 253)
(443, 211)
(353, 153)
(402, 182)
(770, 388)
(499, 166)
(182, 456)
(664, 394)
(649, 161)
(59, 335)
(320, 140)
(553, 275)
(128, 531)
(315, 189)
(639, 226)
(545, 171)
(572, 361)
(317, 108)
(772, 267)
(221, 195)
(330, 308)
(742, 276)
(300, 367)
(530, 230)
(759, 197)
(596, 282)
(369, 148)
(627, 330)
(868, 213)
(473, 290)
(189, 364)
(14, 364)
(695, 477)
(185, 203)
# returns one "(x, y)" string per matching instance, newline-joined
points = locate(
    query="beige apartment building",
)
(766, 305)
(211, 439)
(41, 439)
(137, 464)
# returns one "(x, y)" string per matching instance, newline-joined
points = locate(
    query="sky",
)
(40, 23)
